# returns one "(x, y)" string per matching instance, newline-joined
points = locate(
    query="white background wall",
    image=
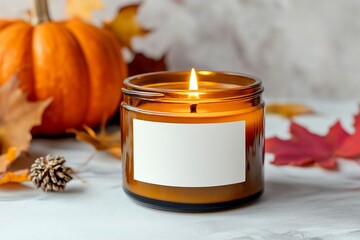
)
(301, 49)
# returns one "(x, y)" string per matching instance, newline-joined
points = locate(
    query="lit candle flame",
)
(193, 85)
(193, 80)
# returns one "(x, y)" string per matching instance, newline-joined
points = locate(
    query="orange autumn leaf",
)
(83, 9)
(110, 142)
(17, 176)
(125, 25)
(17, 117)
(7, 158)
(288, 110)
(7, 176)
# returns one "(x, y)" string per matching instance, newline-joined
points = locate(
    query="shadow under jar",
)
(193, 151)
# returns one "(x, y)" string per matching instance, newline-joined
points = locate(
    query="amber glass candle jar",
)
(197, 150)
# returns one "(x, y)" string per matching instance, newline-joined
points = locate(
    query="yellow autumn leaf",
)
(17, 117)
(17, 176)
(7, 158)
(116, 152)
(288, 110)
(110, 142)
(83, 9)
(7, 176)
(125, 25)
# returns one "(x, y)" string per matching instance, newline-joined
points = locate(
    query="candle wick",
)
(193, 108)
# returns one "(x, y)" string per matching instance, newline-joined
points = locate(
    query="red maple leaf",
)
(306, 148)
(350, 149)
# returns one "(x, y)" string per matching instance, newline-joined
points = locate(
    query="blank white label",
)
(189, 155)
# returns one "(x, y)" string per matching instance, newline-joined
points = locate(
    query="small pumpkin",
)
(78, 65)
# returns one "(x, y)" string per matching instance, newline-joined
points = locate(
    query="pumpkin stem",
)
(39, 12)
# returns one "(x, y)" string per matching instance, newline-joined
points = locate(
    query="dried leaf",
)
(143, 64)
(18, 176)
(350, 149)
(83, 9)
(125, 25)
(288, 110)
(102, 141)
(17, 118)
(116, 152)
(7, 158)
(306, 148)
(357, 121)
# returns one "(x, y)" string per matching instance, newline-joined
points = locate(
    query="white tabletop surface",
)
(298, 203)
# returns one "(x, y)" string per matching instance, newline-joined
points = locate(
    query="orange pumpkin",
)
(78, 65)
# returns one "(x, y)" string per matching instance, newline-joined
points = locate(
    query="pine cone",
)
(49, 173)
